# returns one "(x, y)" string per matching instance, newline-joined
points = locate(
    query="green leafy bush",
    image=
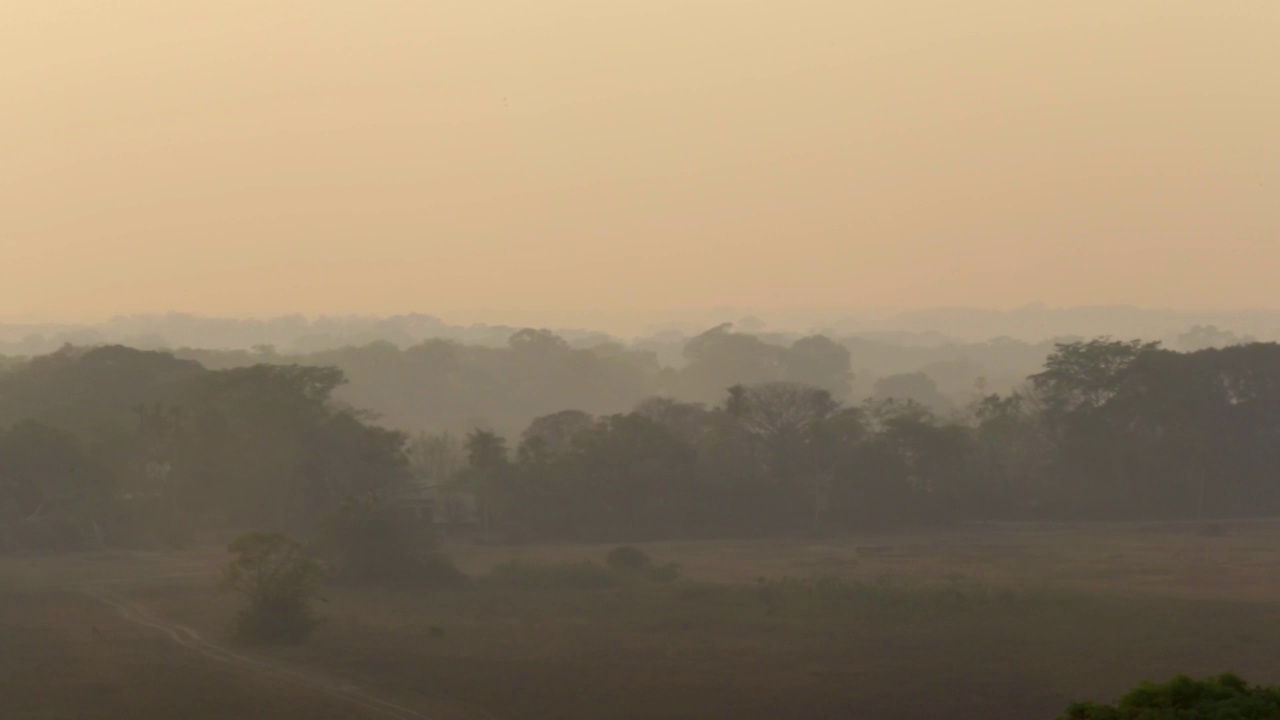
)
(279, 580)
(1225, 697)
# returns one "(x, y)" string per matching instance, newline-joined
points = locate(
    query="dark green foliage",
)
(629, 558)
(624, 478)
(55, 489)
(123, 446)
(1225, 697)
(1144, 431)
(87, 390)
(139, 447)
(263, 447)
(486, 450)
(1083, 376)
(775, 458)
(279, 580)
(46, 469)
(366, 542)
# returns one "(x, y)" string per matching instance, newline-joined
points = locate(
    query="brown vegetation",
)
(997, 621)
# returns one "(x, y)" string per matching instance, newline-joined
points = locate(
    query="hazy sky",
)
(556, 156)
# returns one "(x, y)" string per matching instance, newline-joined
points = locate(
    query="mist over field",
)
(683, 360)
(527, 517)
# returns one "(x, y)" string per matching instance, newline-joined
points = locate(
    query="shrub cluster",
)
(1225, 697)
(279, 579)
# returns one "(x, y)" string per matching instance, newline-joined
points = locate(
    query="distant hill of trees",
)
(925, 328)
(291, 334)
(442, 385)
(417, 373)
(439, 385)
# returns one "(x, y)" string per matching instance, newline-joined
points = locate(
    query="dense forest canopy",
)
(544, 440)
(136, 443)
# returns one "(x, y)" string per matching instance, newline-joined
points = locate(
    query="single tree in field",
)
(279, 581)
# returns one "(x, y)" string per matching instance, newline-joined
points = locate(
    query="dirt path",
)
(191, 640)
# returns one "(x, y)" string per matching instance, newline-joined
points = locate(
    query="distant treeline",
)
(121, 443)
(1108, 429)
(439, 385)
(298, 334)
(417, 373)
(293, 334)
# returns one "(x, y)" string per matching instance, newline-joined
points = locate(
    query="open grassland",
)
(65, 656)
(992, 621)
(1225, 560)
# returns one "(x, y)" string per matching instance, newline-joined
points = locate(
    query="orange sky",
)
(321, 156)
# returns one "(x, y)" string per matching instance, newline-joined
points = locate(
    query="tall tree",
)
(487, 455)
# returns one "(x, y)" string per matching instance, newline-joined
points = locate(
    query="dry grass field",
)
(992, 621)
(65, 656)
